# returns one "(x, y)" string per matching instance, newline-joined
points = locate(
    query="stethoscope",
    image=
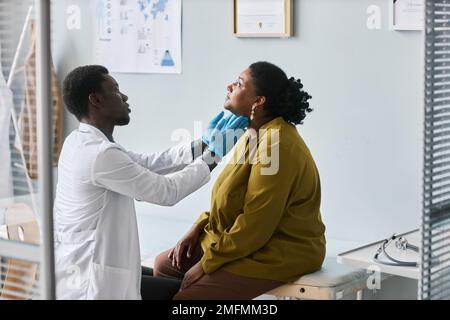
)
(400, 243)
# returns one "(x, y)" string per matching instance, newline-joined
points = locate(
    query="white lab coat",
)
(96, 236)
(6, 103)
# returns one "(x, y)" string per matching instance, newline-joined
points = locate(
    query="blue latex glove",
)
(223, 133)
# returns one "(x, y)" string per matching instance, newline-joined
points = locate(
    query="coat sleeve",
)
(115, 170)
(168, 161)
(264, 205)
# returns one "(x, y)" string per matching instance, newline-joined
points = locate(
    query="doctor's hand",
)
(192, 276)
(186, 245)
(222, 133)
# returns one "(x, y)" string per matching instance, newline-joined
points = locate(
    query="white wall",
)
(365, 132)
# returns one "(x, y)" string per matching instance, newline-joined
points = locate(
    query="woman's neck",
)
(257, 123)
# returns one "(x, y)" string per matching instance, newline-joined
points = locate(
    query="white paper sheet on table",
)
(139, 36)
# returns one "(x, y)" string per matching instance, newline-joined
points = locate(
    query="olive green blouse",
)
(264, 221)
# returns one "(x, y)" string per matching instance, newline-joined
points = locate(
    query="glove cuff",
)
(205, 140)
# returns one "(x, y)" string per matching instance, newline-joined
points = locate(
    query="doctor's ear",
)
(94, 99)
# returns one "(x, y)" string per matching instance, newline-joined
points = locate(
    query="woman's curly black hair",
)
(284, 97)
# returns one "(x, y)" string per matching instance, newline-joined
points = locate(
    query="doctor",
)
(96, 234)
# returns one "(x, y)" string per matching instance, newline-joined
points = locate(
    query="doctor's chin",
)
(233, 153)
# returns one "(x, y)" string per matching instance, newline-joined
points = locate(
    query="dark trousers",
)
(219, 285)
(153, 288)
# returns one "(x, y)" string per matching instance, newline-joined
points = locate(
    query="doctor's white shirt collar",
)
(84, 127)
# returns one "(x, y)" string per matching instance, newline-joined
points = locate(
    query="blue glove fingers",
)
(230, 119)
(243, 122)
(222, 123)
(206, 136)
(222, 137)
(239, 123)
(217, 118)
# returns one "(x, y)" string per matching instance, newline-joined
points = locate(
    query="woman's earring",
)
(252, 115)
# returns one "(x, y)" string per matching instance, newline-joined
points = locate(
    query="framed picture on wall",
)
(407, 14)
(262, 18)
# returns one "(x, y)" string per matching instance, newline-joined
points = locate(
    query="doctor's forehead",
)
(110, 82)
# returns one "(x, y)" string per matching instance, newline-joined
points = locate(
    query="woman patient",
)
(264, 227)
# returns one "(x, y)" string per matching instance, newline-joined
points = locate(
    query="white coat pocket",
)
(73, 256)
(108, 283)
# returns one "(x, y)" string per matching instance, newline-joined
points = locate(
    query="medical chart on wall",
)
(138, 36)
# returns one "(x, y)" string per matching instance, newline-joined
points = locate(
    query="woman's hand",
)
(186, 244)
(193, 275)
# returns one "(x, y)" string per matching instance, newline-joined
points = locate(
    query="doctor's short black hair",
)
(79, 84)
